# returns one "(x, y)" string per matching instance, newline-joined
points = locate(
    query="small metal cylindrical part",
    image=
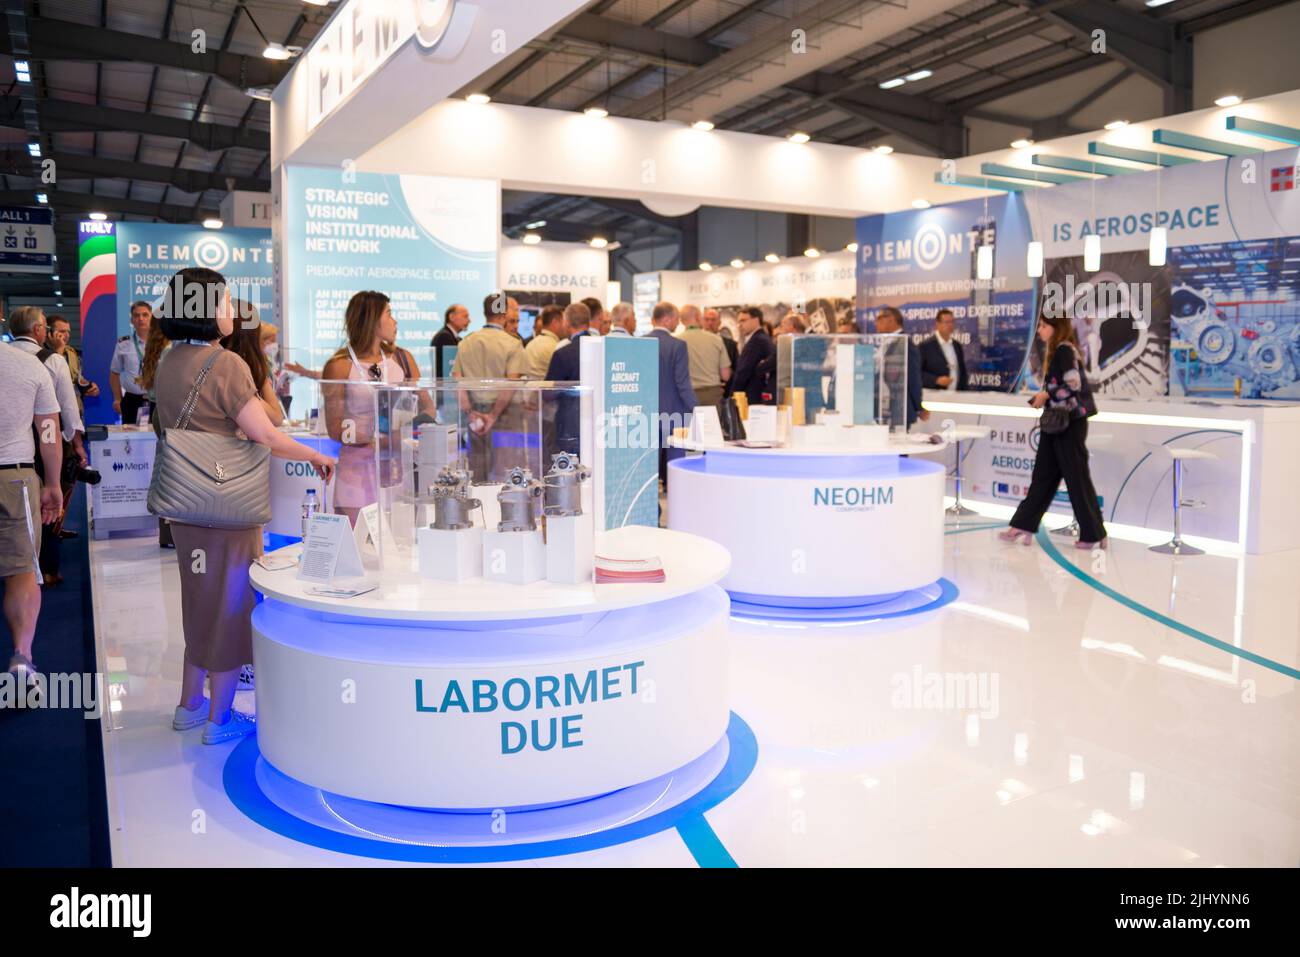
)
(564, 485)
(516, 501)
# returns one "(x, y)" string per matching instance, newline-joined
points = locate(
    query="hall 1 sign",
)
(26, 239)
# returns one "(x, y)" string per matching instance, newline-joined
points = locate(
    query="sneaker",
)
(21, 667)
(186, 719)
(237, 726)
(246, 678)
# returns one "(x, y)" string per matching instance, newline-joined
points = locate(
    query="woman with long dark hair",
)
(245, 341)
(369, 358)
(1061, 454)
(216, 597)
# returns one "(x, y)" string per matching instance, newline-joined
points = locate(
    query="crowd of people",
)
(219, 370)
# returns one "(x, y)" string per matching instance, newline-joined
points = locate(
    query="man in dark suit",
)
(943, 364)
(888, 321)
(755, 373)
(455, 319)
(566, 366)
(676, 397)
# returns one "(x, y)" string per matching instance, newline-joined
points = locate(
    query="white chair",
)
(1072, 530)
(1176, 545)
(957, 435)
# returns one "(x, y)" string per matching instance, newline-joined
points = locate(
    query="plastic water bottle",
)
(310, 506)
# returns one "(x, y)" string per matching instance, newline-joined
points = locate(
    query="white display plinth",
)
(569, 558)
(450, 554)
(477, 695)
(514, 558)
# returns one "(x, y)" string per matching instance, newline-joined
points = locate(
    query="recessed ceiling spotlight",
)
(702, 125)
(1232, 99)
(1116, 124)
(920, 204)
(812, 252)
(278, 51)
(478, 98)
(212, 223)
(598, 242)
(798, 137)
(1021, 144)
(99, 217)
(706, 266)
(851, 247)
(531, 239)
(596, 112)
(738, 263)
(882, 150)
(772, 258)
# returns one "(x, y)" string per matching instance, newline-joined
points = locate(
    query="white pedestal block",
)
(569, 548)
(450, 555)
(518, 558)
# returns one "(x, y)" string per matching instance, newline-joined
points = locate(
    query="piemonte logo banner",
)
(921, 261)
(364, 34)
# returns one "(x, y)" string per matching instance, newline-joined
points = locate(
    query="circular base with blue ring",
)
(915, 601)
(386, 832)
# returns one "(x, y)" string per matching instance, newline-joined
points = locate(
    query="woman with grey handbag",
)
(1066, 401)
(212, 483)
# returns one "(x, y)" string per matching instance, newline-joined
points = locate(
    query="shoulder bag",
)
(1056, 419)
(201, 478)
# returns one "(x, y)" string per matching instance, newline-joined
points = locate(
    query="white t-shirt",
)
(950, 356)
(29, 392)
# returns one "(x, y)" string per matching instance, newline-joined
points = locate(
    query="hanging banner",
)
(1218, 317)
(425, 241)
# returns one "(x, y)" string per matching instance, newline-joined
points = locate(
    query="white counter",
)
(1248, 489)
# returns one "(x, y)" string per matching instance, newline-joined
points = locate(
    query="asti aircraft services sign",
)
(364, 34)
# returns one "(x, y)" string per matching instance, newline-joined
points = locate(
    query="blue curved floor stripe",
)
(1049, 546)
(958, 530)
(703, 843)
(239, 779)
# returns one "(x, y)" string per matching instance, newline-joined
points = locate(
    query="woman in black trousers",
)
(1062, 455)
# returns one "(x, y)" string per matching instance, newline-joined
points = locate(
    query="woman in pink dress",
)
(368, 359)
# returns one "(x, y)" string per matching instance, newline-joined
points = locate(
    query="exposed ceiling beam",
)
(1030, 82)
(50, 39)
(71, 166)
(67, 116)
(66, 199)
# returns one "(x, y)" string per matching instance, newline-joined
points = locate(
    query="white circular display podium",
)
(815, 528)
(482, 696)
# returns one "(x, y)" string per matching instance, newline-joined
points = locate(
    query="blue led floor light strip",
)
(1154, 615)
(703, 843)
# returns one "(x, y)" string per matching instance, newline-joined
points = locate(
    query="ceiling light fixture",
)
(278, 51)
(1232, 99)
(918, 75)
(798, 137)
(34, 149)
(738, 263)
(212, 223)
(596, 112)
(535, 224)
(920, 204)
(1021, 144)
(882, 150)
(531, 239)
(890, 84)
(772, 258)
(812, 252)
(99, 217)
(706, 267)
(851, 247)
(42, 198)
(263, 93)
(1116, 124)
(598, 242)
(478, 98)
(702, 125)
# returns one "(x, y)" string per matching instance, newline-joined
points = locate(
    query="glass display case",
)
(856, 382)
(481, 479)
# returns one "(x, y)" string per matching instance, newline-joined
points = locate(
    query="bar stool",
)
(1176, 545)
(958, 435)
(1072, 530)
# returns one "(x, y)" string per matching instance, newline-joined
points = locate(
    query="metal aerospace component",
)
(516, 500)
(564, 485)
(452, 500)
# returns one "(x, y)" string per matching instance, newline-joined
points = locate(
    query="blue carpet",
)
(52, 794)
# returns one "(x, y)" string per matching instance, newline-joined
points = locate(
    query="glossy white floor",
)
(1037, 720)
